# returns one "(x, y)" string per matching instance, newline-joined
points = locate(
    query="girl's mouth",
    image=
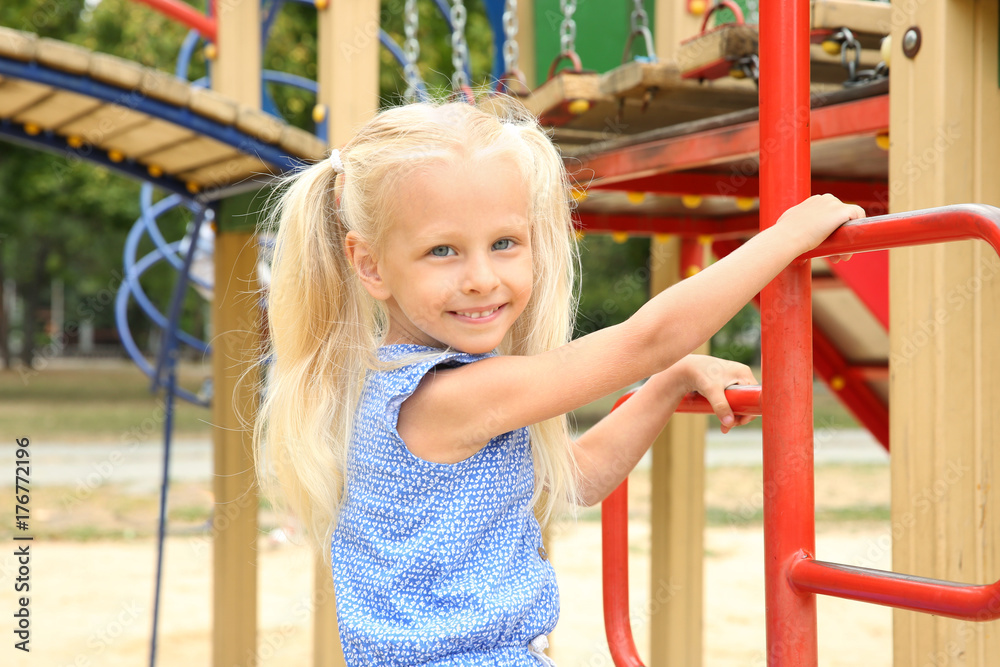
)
(484, 315)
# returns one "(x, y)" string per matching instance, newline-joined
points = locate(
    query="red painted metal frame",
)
(872, 195)
(786, 327)
(744, 400)
(186, 15)
(829, 364)
(868, 275)
(869, 115)
(736, 227)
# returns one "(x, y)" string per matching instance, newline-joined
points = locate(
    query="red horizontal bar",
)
(743, 399)
(738, 227)
(958, 222)
(891, 589)
(869, 115)
(868, 194)
(185, 14)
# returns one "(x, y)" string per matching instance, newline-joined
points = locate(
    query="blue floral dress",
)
(437, 564)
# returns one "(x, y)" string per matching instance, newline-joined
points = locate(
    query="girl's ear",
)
(359, 254)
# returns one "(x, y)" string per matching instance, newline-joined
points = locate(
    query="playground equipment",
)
(673, 142)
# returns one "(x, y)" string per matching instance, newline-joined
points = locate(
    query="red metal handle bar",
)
(930, 225)
(185, 14)
(935, 596)
(744, 400)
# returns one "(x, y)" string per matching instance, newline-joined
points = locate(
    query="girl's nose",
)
(480, 276)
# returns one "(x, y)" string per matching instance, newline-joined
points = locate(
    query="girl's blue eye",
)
(503, 244)
(442, 251)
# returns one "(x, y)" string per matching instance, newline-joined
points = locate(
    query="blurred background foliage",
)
(66, 220)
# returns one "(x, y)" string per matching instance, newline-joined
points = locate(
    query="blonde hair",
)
(325, 328)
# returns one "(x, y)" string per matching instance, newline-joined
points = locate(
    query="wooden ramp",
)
(140, 121)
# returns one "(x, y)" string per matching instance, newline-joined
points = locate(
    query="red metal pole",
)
(185, 14)
(786, 330)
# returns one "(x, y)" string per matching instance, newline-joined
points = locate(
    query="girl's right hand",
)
(810, 222)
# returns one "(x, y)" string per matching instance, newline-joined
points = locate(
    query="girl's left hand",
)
(709, 377)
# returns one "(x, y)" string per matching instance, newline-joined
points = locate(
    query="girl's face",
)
(455, 269)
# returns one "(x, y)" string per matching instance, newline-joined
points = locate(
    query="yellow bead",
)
(193, 187)
(697, 7)
(837, 383)
(882, 140)
(116, 155)
(32, 129)
(737, 73)
(745, 203)
(211, 51)
(691, 201)
(580, 234)
(577, 107)
(705, 239)
(831, 46)
(578, 195)
(691, 270)
(619, 237)
(322, 4)
(661, 238)
(74, 141)
(885, 50)
(635, 197)
(155, 170)
(319, 113)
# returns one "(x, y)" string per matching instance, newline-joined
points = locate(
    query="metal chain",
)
(511, 53)
(567, 29)
(459, 48)
(850, 43)
(639, 18)
(411, 50)
(753, 12)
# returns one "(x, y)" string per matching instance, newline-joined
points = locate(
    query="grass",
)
(103, 402)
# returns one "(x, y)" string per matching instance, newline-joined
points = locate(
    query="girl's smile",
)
(455, 269)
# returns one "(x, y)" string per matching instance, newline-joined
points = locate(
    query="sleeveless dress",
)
(433, 563)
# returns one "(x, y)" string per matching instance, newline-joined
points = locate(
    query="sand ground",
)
(91, 599)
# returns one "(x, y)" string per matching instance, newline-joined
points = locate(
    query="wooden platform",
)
(154, 122)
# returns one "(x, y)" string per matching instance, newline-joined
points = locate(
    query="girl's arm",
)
(609, 450)
(455, 412)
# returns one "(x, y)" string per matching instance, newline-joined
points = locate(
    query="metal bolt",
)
(911, 42)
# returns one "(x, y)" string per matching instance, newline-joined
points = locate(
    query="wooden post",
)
(236, 74)
(678, 512)
(349, 92)
(674, 23)
(944, 318)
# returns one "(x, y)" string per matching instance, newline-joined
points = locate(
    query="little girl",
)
(420, 311)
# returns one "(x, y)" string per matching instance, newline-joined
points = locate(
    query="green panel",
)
(602, 26)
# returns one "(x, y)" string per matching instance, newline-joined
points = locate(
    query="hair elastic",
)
(335, 163)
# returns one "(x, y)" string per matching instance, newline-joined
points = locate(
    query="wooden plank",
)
(116, 71)
(148, 137)
(945, 314)
(552, 100)
(229, 171)
(103, 123)
(164, 87)
(17, 94)
(236, 335)
(192, 154)
(58, 109)
(259, 124)
(850, 326)
(726, 43)
(63, 56)
(860, 16)
(213, 105)
(634, 79)
(677, 524)
(301, 144)
(17, 44)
